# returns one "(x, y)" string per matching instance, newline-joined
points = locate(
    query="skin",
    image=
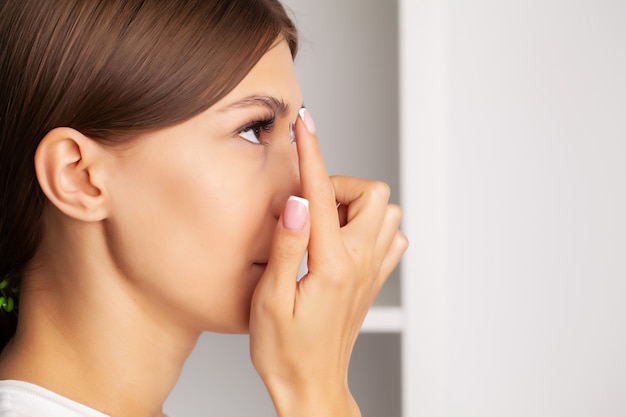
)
(182, 232)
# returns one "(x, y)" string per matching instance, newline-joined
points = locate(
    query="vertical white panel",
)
(536, 135)
(423, 177)
(514, 185)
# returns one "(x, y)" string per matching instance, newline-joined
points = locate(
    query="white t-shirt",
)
(23, 399)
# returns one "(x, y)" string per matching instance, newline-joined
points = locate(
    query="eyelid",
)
(263, 125)
(262, 122)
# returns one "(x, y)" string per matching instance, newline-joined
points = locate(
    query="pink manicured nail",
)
(296, 211)
(305, 115)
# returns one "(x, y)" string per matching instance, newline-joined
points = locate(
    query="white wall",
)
(528, 133)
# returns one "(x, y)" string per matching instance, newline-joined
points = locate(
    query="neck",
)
(94, 343)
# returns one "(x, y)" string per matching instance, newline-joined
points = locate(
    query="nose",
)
(285, 173)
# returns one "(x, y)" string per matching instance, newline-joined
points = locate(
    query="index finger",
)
(316, 187)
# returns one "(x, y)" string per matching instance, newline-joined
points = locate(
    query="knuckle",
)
(322, 192)
(394, 212)
(282, 255)
(325, 191)
(286, 250)
(402, 241)
(341, 276)
(268, 307)
(262, 305)
(378, 190)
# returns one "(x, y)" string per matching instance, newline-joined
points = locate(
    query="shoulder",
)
(23, 399)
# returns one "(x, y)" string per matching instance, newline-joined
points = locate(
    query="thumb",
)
(289, 245)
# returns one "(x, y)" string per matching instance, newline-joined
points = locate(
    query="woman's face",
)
(194, 206)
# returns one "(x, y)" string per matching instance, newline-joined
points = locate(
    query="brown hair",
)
(111, 69)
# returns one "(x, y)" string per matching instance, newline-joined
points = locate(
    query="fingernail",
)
(305, 115)
(296, 211)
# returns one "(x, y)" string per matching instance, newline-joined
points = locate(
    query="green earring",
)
(7, 303)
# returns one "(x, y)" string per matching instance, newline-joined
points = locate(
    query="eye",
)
(253, 132)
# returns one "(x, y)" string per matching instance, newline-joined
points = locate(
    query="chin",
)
(232, 328)
(234, 322)
(233, 315)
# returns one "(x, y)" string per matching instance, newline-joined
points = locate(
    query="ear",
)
(69, 170)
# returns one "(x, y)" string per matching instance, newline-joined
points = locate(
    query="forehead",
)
(274, 76)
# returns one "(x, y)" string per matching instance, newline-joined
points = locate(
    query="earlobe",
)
(67, 167)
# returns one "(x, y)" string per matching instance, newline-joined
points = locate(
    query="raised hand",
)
(302, 333)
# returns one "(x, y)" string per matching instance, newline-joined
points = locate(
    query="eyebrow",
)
(275, 105)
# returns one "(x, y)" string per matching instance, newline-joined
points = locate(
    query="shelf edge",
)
(383, 320)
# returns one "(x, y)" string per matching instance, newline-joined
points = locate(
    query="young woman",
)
(150, 155)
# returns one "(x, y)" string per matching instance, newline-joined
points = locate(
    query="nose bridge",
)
(285, 174)
(288, 166)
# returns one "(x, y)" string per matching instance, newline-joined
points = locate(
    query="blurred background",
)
(501, 128)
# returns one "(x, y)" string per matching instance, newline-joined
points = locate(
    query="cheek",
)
(188, 237)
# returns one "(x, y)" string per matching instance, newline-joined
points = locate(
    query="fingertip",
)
(296, 213)
(306, 117)
(303, 127)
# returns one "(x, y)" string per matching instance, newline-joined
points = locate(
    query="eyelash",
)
(258, 127)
